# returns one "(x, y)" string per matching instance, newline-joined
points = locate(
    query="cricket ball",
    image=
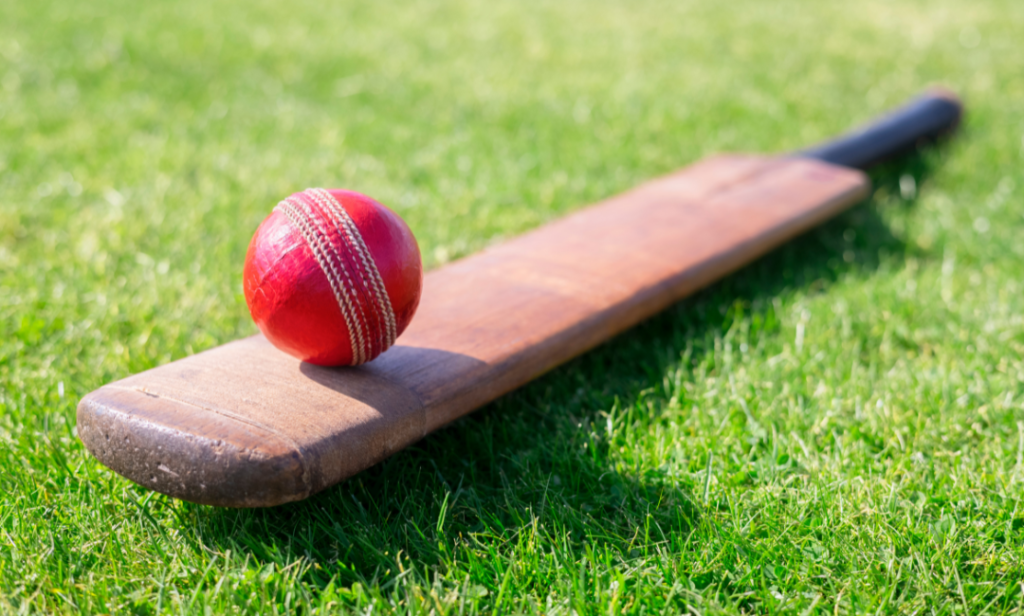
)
(332, 277)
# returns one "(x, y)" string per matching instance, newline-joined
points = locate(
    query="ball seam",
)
(369, 275)
(358, 308)
(299, 217)
(369, 265)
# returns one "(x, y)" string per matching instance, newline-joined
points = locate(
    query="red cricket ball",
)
(332, 277)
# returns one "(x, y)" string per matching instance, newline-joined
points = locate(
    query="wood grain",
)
(244, 425)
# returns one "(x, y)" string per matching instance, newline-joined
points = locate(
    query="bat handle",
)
(935, 112)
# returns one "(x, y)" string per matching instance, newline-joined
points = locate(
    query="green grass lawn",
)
(838, 428)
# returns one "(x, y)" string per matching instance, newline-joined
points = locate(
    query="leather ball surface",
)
(332, 277)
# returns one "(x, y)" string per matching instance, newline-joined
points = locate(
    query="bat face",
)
(245, 425)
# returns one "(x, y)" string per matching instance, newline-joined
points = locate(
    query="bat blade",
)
(244, 425)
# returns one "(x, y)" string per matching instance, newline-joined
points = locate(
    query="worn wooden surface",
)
(245, 425)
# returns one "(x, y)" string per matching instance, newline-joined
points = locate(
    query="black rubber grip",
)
(923, 119)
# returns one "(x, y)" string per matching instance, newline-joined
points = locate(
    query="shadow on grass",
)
(534, 468)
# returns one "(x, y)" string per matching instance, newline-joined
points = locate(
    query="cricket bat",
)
(245, 425)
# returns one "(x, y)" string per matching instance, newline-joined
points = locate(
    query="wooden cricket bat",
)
(244, 425)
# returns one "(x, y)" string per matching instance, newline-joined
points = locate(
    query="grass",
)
(838, 428)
